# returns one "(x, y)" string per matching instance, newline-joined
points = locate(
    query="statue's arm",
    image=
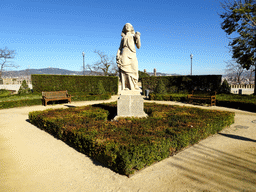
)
(137, 39)
(118, 53)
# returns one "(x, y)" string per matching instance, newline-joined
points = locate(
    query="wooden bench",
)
(203, 95)
(55, 96)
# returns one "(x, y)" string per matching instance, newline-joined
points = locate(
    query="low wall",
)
(244, 91)
(14, 87)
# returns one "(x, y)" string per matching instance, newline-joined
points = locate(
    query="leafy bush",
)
(225, 87)
(24, 89)
(99, 89)
(129, 144)
(142, 74)
(160, 88)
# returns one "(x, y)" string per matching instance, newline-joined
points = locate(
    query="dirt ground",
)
(33, 160)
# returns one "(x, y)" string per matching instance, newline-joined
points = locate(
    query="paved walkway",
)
(33, 160)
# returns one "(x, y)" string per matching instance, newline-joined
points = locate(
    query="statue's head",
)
(127, 28)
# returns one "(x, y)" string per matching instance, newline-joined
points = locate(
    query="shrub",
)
(160, 88)
(99, 89)
(225, 87)
(24, 89)
(142, 74)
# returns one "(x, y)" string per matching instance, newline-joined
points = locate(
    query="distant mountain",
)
(53, 71)
(57, 71)
(162, 74)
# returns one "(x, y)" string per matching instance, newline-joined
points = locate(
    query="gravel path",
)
(33, 160)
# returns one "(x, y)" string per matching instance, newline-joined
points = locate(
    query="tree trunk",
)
(254, 80)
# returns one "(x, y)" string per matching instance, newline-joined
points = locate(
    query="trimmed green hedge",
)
(168, 97)
(73, 83)
(20, 103)
(130, 144)
(15, 100)
(182, 84)
(243, 102)
(84, 97)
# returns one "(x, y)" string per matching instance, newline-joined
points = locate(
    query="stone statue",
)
(126, 58)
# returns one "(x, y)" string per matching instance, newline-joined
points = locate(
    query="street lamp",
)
(83, 64)
(191, 56)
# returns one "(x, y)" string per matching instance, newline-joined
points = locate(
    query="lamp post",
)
(83, 64)
(191, 56)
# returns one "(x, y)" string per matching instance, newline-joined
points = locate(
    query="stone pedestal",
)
(130, 104)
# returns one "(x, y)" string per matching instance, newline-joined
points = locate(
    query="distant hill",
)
(57, 71)
(53, 71)
(162, 74)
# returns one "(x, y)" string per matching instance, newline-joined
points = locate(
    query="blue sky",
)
(54, 33)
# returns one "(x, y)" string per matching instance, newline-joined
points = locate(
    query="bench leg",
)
(44, 102)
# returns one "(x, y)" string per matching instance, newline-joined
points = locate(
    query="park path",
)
(33, 160)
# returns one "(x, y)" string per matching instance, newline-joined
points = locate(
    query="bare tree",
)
(105, 66)
(249, 75)
(234, 72)
(5, 56)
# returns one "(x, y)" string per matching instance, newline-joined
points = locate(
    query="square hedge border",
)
(134, 151)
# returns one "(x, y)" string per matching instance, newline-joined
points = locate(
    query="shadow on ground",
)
(217, 170)
(237, 137)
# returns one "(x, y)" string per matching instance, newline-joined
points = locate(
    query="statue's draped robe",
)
(129, 62)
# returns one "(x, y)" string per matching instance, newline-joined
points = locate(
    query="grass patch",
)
(130, 144)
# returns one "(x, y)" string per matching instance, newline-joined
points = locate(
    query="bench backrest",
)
(55, 94)
(208, 93)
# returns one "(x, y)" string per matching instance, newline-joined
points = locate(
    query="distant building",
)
(16, 81)
(245, 87)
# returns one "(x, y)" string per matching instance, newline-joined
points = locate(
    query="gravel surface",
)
(33, 160)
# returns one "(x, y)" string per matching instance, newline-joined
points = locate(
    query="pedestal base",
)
(130, 106)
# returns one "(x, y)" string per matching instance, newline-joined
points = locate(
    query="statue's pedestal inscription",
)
(129, 105)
